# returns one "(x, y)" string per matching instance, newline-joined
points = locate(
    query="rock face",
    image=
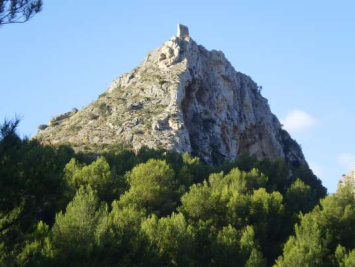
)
(181, 97)
(347, 179)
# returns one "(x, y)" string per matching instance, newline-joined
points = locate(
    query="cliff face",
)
(180, 97)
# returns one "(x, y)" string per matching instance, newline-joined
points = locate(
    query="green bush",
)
(42, 127)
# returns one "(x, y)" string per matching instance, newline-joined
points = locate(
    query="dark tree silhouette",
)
(18, 11)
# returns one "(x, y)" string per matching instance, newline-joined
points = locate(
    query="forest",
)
(156, 208)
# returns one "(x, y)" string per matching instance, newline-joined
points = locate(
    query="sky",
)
(301, 52)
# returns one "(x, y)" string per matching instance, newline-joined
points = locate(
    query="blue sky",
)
(301, 52)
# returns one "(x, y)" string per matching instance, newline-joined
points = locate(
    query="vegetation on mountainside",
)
(158, 208)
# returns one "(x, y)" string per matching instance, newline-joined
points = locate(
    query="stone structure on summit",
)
(183, 31)
(182, 97)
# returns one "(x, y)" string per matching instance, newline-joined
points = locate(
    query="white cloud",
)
(347, 160)
(316, 168)
(298, 121)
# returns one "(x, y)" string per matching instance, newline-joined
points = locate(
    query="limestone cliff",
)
(180, 97)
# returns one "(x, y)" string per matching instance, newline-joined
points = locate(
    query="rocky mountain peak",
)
(183, 97)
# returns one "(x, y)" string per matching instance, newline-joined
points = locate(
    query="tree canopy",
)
(158, 208)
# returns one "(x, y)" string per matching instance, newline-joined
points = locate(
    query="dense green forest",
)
(158, 208)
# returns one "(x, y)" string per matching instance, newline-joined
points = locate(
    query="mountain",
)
(180, 97)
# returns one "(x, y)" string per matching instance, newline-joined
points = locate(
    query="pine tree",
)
(76, 232)
(18, 11)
